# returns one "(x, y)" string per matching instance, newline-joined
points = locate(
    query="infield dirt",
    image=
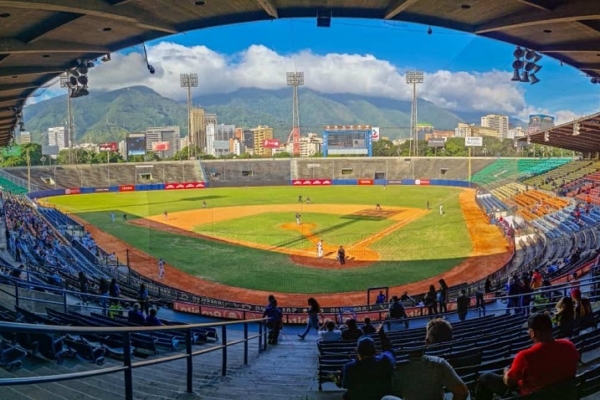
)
(490, 252)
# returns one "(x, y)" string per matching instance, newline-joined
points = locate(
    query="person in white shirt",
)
(330, 334)
(161, 268)
(320, 248)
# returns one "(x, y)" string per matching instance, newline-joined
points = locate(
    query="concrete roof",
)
(40, 39)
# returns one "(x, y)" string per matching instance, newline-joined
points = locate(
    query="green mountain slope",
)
(104, 116)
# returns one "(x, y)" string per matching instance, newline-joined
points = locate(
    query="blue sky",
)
(463, 72)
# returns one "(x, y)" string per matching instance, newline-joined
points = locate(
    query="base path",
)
(490, 253)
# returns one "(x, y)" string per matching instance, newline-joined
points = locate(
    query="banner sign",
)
(126, 188)
(436, 142)
(102, 189)
(473, 141)
(422, 182)
(271, 144)
(109, 146)
(366, 181)
(311, 182)
(73, 191)
(375, 134)
(160, 146)
(184, 185)
(12, 151)
(394, 182)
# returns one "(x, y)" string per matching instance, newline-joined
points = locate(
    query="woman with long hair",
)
(430, 300)
(565, 317)
(313, 317)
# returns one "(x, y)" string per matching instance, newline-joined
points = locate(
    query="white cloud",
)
(263, 68)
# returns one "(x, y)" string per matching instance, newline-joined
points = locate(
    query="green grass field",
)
(426, 247)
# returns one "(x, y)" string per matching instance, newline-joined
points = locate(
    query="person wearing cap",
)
(583, 310)
(548, 362)
(424, 377)
(370, 376)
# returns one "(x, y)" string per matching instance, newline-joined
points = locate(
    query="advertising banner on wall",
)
(160, 146)
(126, 188)
(184, 185)
(436, 142)
(364, 182)
(422, 182)
(311, 182)
(73, 191)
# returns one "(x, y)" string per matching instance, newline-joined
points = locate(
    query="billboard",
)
(436, 142)
(354, 140)
(375, 134)
(473, 141)
(271, 144)
(136, 145)
(12, 151)
(48, 150)
(109, 146)
(160, 146)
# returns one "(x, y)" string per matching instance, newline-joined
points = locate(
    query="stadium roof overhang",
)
(40, 39)
(586, 139)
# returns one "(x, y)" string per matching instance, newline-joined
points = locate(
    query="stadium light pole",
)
(189, 81)
(64, 83)
(414, 78)
(295, 79)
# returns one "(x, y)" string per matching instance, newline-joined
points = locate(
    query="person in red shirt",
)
(537, 279)
(546, 363)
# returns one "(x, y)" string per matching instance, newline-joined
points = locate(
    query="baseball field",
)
(243, 243)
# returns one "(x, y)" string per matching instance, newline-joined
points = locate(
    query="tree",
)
(186, 152)
(384, 148)
(283, 154)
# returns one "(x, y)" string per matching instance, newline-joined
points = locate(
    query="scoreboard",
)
(347, 140)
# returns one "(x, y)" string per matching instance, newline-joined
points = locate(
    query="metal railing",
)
(128, 363)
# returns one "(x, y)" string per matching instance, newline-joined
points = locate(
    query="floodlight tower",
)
(295, 79)
(65, 83)
(189, 81)
(413, 78)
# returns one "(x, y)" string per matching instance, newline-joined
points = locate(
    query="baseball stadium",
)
(209, 249)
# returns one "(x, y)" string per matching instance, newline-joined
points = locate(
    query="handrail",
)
(128, 365)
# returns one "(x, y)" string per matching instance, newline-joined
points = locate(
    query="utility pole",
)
(295, 79)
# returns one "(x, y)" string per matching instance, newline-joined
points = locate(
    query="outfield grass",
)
(430, 245)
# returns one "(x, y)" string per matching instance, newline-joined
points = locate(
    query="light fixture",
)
(524, 66)
(150, 67)
(576, 128)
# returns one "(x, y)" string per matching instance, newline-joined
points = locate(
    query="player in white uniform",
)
(320, 248)
(161, 268)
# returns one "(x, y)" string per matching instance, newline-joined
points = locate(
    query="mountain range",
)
(110, 115)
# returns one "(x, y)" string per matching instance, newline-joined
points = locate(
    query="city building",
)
(439, 134)
(309, 145)
(123, 148)
(24, 137)
(248, 138)
(58, 136)
(199, 121)
(163, 140)
(225, 132)
(184, 142)
(497, 122)
(210, 139)
(540, 122)
(466, 130)
(515, 133)
(260, 134)
(236, 146)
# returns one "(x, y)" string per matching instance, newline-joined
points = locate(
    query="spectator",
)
(330, 333)
(152, 320)
(83, 286)
(370, 376)
(352, 332)
(443, 296)
(424, 377)
(380, 298)
(462, 305)
(367, 327)
(103, 290)
(135, 316)
(574, 284)
(397, 311)
(480, 299)
(275, 320)
(537, 279)
(114, 290)
(17, 273)
(430, 300)
(488, 285)
(144, 298)
(313, 317)
(406, 297)
(565, 317)
(115, 309)
(546, 363)
(583, 310)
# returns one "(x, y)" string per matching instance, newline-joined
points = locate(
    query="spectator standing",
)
(583, 310)
(161, 268)
(546, 363)
(430, 300)
(313, 311)
(397, 311)
(144, 298)
(462, 305)
(565, 317)
(275, 321)
(83, 286)
(443, 291)
(114, 290)
(380, 298)
(103, 290)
